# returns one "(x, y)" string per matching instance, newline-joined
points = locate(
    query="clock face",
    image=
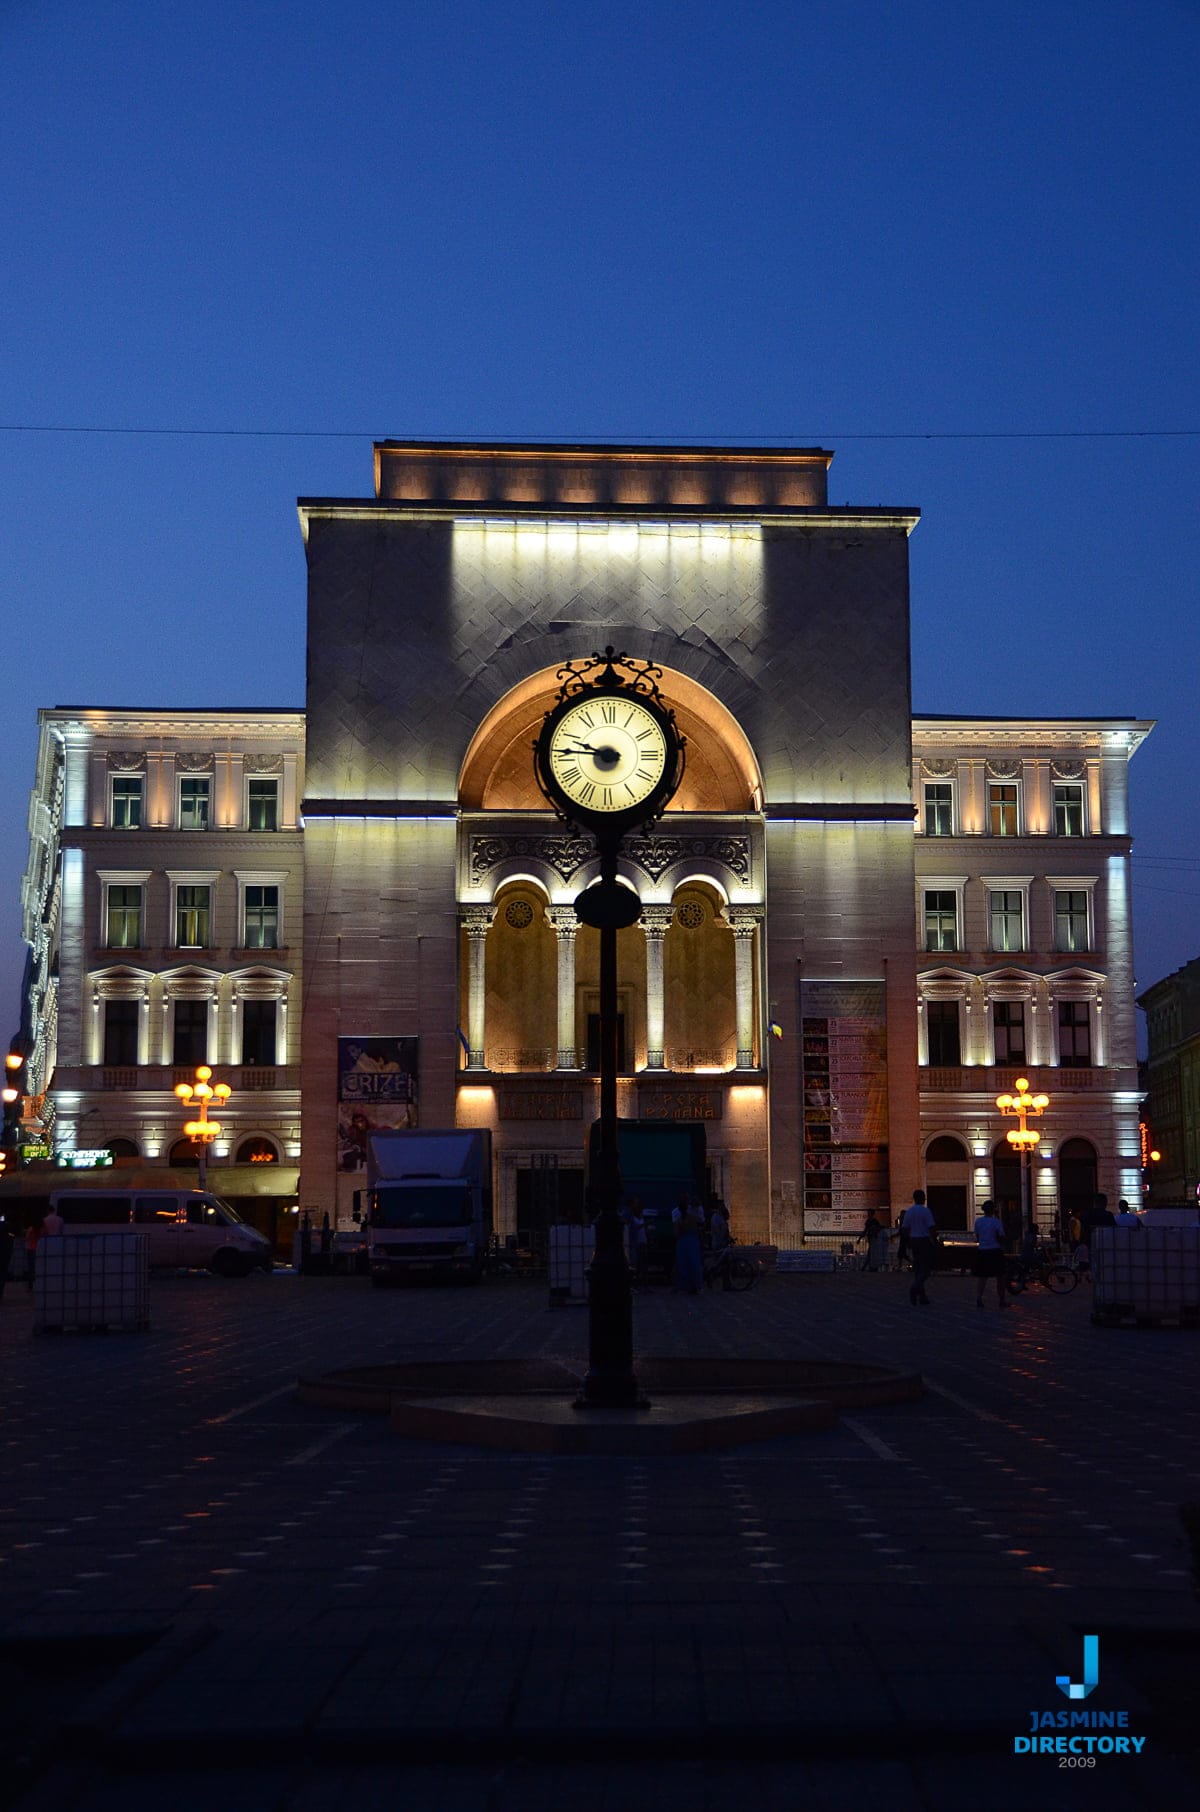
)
(608, 754)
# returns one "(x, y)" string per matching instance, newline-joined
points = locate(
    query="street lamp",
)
(11, 1095)
(203, 1131)
(1024, 1138)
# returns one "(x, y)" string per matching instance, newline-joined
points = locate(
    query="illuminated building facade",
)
(163, 909)
(857, 927)
(1172, 1009)
(801, 953)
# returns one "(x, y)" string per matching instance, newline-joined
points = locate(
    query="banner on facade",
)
(377, 1091)
(844, 1083)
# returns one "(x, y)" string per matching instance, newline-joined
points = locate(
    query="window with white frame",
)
(1068, 808)
(260, 908)
(1008, 1031)
(943, 1034)
(1074, 1033)
(941, 918)
(262, 803)
(195, 801)
(1006, 918)
(123, 907)
(1071, 919)
(125, 801)
(193, 918)
(1003, 808)
(939, 808)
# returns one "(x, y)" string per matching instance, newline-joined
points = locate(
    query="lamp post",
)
(1024, 1138)
(203, 1130)
(12, 1094)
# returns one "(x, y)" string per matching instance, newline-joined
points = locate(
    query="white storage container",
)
(91, 1281)
(569, 1257)
(1149, 1272)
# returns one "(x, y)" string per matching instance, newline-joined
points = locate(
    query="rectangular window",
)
(1074, 1032)
(192, 918)
(1071, 920)
(939, 809)
(262, 918)
(1002, 810)
(121, 1033)
(941, 1020)
(1008, 1031)
(941, 919)
(258, 1031)
(194, 793)
(124, 918)
(262, 805)
(1004, 920)
(191, 1032)
(1068, 810)
(127, 802)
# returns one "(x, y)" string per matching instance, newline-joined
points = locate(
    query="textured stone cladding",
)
(417, 627)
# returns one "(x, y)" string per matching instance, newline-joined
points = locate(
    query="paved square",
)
(345, 1618)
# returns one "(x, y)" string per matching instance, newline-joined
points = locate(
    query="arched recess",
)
(123, 1150)
(699, 983)
(521, 972)
(183, 1154)
(256, 1149)
(947, 1180)
(1078, 1177)
(721, 772)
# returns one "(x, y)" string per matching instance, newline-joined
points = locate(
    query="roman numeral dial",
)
(607, 754)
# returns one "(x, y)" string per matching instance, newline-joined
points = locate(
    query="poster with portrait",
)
(377, 1091)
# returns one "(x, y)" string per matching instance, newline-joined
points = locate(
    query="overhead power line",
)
(754, 440)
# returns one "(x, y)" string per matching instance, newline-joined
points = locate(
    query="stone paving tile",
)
(173, 1480)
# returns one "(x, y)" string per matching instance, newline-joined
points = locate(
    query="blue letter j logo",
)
(1079, 1689)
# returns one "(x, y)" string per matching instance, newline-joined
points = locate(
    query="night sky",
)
(956, 244)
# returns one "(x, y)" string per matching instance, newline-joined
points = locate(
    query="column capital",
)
(743, 921)
(562, 920)
(656, 920)
(476, 921)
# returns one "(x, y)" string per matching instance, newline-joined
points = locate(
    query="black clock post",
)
(608, 759)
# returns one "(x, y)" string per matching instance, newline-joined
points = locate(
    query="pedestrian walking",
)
(33, 1234)
(721, 1241)
(635, 1233)
(872, 1228)
(990, 1241)
(920, 1226)
(6, 1252)
(1126, 1217)
(688, 1277)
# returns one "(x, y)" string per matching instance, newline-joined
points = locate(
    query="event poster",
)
(377, 1091)
(844, 1030)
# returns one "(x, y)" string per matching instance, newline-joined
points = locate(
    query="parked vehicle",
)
(428, 1204)
(186, 1229)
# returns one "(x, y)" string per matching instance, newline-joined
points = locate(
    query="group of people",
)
(691, 1229)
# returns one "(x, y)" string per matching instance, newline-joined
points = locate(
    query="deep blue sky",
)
(778, 219)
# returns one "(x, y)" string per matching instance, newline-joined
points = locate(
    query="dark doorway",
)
(546, 1194)
(593, 1041)
(946, 1178)
(1007, 1184)
(1077, 1178)
(947, 1202)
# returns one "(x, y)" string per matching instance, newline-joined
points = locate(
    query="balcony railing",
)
(981, 1079)
(153, 1077)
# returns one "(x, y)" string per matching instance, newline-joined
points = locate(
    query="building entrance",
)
(546, 1193)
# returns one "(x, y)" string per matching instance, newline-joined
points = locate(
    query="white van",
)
(187, 1228)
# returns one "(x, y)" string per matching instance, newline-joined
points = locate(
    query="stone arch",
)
(699, 980)
(721, 771)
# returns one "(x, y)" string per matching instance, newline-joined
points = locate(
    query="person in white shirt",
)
(918, 1223)
(989, 1259)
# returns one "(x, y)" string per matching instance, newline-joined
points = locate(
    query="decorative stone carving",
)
(262, 764)
(566, 855)
(189, 762)
(1068, 770)
(939, 770)
(518, 914)
(119, 762)
(1003, 769)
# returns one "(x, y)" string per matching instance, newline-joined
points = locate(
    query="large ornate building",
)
(856, 928)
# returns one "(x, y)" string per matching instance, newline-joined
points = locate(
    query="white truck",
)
(428, 1204)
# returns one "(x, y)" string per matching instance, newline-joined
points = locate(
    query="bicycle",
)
(738, 1267)
(1050, 1272)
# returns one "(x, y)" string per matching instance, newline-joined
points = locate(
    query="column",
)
(655, 923)
(476, 922)
(744, 922)
(565, 925)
